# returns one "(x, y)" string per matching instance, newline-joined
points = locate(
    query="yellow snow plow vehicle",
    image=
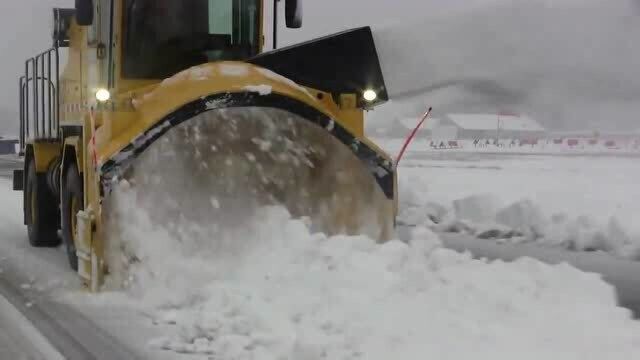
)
(156, 87)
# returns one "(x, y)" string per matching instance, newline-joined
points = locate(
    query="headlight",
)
(103, 95)
(370, 95)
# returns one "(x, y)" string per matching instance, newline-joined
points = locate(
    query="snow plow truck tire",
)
(41, 210)
(72, 202)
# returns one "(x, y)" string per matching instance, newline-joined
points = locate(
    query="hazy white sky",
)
(572, 64)
(497, 53)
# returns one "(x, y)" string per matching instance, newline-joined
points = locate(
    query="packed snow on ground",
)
(274, 290)
(44, 269)
(574, 202)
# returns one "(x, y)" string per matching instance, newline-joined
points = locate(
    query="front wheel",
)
(72, 203)
(41, 210)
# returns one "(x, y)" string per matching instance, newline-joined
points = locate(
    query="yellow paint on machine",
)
(144, 108)
(134, 112)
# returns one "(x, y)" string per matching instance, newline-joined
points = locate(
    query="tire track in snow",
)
(70, 332)
(23, 340)
(62, 342)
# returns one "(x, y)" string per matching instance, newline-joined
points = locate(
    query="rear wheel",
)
(72, 203)
(41, 210)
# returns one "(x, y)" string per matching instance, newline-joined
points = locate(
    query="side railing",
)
(39, 98)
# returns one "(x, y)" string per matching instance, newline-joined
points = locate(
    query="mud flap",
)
(89, 264)
(18, 180)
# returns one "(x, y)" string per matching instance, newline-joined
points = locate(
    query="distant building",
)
(401, 128)
(485, 126)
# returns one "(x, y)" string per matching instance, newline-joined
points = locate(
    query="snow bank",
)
(523, 216)
(581, 202)
(273, 290)
(486, 217)
(476, 208)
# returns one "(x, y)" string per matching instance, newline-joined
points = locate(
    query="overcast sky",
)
(572, 63)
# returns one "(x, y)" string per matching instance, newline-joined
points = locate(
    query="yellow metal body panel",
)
(44, 153)
(75, 143)
(133, 113)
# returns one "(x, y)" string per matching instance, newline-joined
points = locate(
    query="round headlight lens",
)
(370, 95)
(103, 95)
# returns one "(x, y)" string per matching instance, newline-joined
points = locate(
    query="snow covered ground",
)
(575, 202)
(19, 339)
(273, 290)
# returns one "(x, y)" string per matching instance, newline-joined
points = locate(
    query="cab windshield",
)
(163, 37)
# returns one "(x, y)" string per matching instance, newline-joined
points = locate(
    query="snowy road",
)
(206, 310)
(19, 339)
(40, 327)
(21, 336)
(8, 164)
(625, 275)
(34, 325)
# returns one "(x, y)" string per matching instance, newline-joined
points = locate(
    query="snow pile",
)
(522, 221)
(476, 208)
(574, 202)
(271, 289)
(415, 205)
(260, 89)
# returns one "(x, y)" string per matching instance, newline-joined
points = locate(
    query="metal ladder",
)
(39, 98)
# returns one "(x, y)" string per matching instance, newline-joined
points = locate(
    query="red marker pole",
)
(411, 136)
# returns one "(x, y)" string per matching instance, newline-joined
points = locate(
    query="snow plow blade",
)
(217, 166)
